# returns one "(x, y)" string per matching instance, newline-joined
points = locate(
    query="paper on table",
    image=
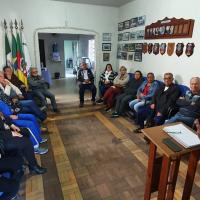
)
(182, 135)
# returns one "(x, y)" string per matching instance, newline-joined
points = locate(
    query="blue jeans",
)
(29, 106)
(102, 89)
(29, 121)
(181, 118)
(136, 104)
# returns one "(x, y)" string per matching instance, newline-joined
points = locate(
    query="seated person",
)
(86, 82)
(15, 143)
(145, 93)
(12, 165)
(106, 80)
(9, 75)
(189, 105)
(128, 94)
(164, 97)
(12, 92)
(27, 121)
(38, 88)
(119, 84)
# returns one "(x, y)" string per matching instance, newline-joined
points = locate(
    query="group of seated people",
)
(150, 100)
(21, 121)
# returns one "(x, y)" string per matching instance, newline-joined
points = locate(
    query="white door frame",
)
(66, 30)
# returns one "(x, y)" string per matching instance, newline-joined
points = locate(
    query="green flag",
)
(14, 52)
(7, 51)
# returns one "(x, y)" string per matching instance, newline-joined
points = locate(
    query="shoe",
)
(36, 169)
(48, 119)
(147, 141)
(43, 108)
(81, 105)
(137, 130)
(43, 129)
(93, 103)
(99, 101)
(114, 115)
(17, 175)
(44, 140)
(40, 150)
(107, 109)
(16, 197)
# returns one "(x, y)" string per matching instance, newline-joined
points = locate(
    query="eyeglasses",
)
(167, 78)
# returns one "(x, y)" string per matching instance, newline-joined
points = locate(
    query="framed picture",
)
(118, 54)
(124, 55)
(127, 24)
(125, 36)
(124, 47)
(141, 20)
(106, 36)
(106, 57)
(121, 26)
(130, 56)
(106, 46)
(133, 22)
(138, 56)
(131, 47)
(140, 35)
(133, 35)
(120, 36)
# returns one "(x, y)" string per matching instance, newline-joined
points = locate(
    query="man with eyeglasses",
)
(38, 88)
(165, 97)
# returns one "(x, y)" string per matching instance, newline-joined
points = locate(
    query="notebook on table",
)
(182, 135)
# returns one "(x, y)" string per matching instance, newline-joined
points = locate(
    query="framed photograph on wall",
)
(138, 56)
(106, 46)
(133, 22)
(125, 36)
(106, 36)
(120, 36)
(106, 57)
(121, 26)
(127, 24)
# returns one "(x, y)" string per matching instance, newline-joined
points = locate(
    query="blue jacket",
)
(152, 90)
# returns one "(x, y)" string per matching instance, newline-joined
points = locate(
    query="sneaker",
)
(43, 140)
(40, 150)
(99, 101)
(108, 109)
(93, 103)
(137, 130)
(114, 114)
(16, 197)
(81, 105)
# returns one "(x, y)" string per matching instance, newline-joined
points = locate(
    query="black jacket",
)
(165, 99)
(132, 86)
(81, 75)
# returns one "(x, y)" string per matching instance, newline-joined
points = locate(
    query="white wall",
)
(182, 67)
(38, 14)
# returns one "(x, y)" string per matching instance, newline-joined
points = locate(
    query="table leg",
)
(149, 177)
(192, 165)
(173, 178)
(164, 177)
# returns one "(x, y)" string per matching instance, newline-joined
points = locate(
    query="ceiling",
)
(114, 3)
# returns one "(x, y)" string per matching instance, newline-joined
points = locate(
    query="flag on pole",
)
(14, 52)
(26, 62)
(8, 51)
(19, 53)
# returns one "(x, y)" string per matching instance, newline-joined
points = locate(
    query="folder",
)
(182, 135)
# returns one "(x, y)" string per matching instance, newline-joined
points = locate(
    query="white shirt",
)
(85, 75)
(166, 88)
(107, 74)
(7, 89)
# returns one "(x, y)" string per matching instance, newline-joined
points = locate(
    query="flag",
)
(8, 51)
(26, 62)
(14, 53)
(20, 71)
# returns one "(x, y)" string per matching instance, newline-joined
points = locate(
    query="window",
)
(91, 50)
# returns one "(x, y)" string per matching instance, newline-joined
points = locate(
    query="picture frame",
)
(127, 24)
(120, 36)
(125, 36)
(130, 56)
(106, 37)
(121, 26)
(131, 47)
(106, 57)
(133, 22)
(124, 55)
(106, 46)
(138, 56)
(141, 20)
